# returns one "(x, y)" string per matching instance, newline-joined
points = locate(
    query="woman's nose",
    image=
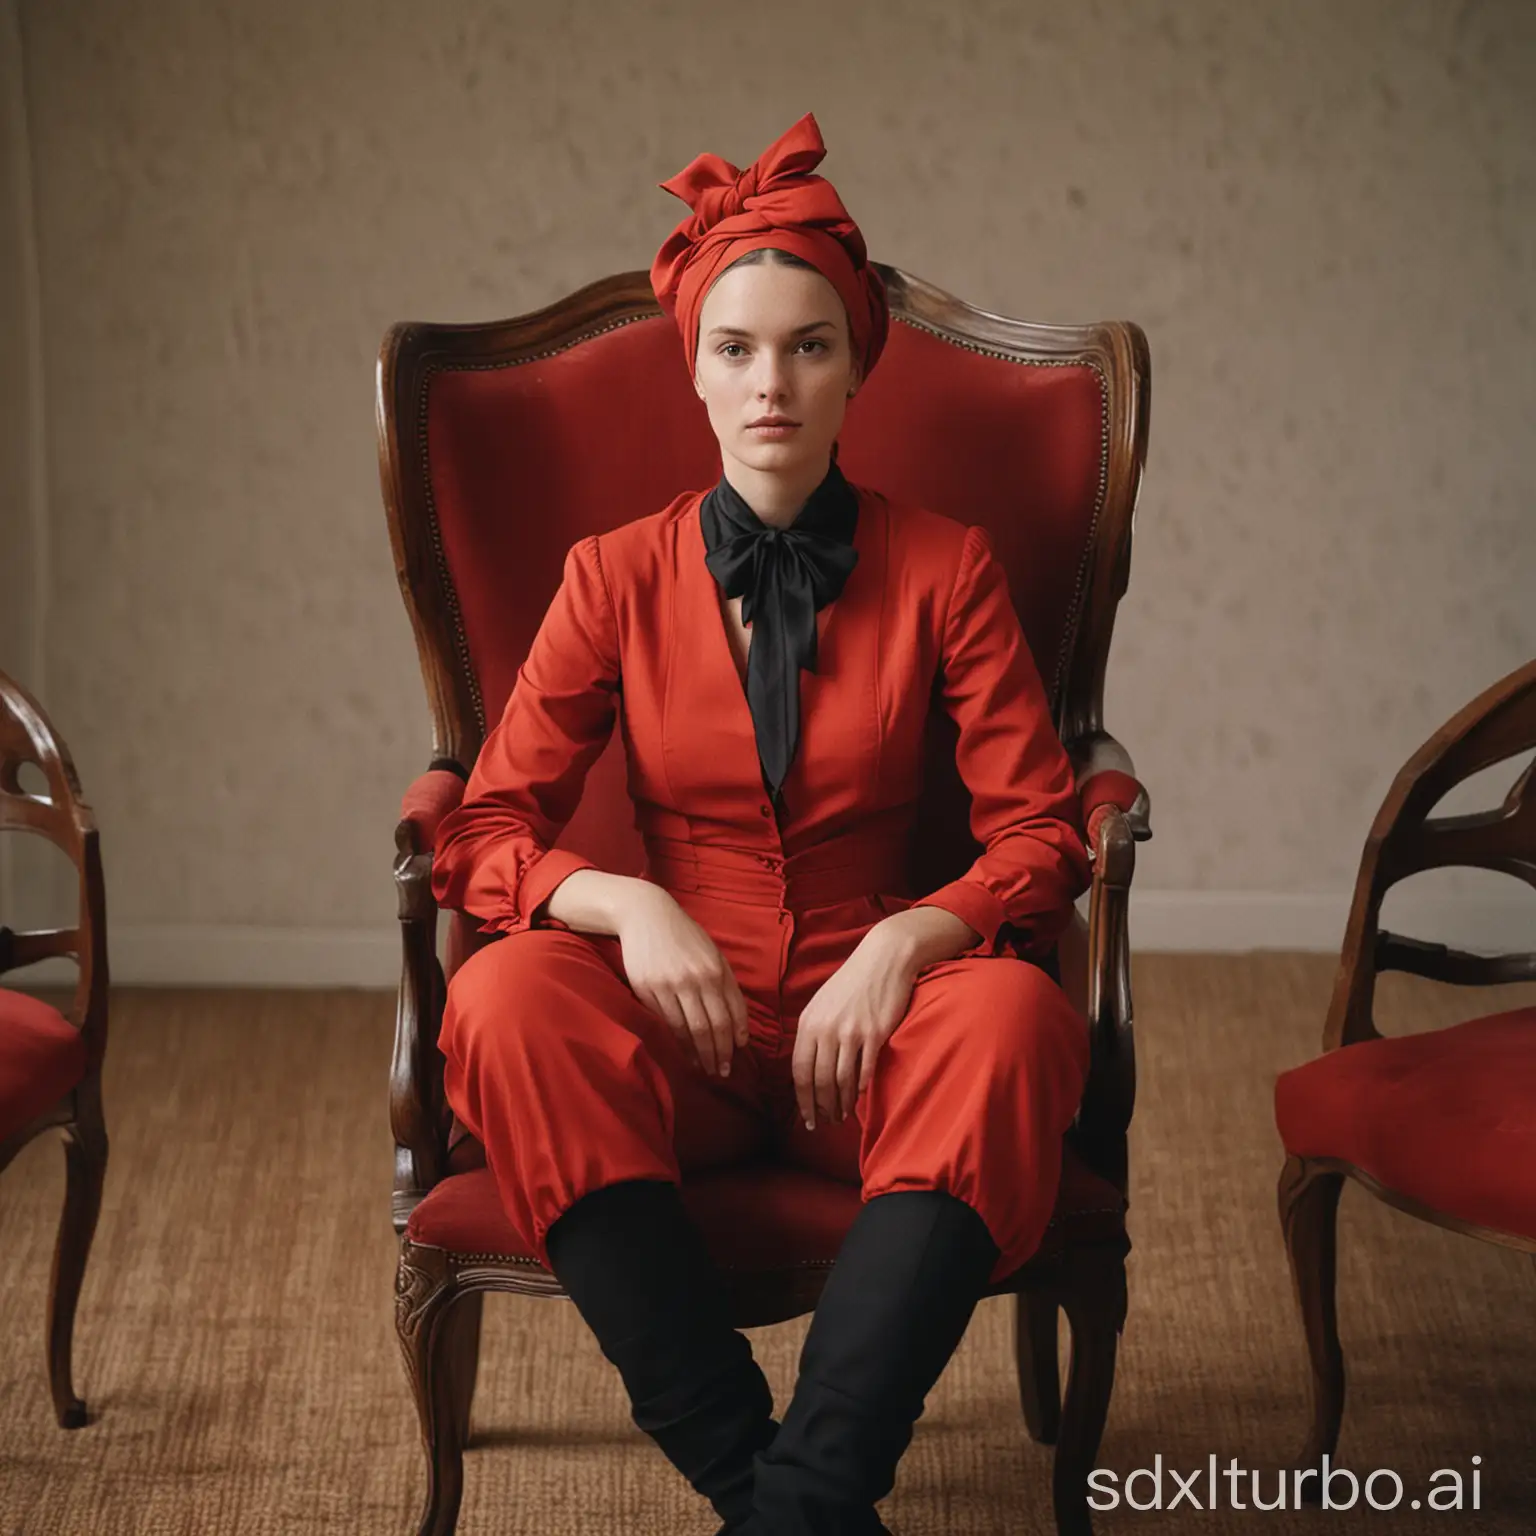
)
(770, 378)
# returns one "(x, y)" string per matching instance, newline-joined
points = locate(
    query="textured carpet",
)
(235, 1341)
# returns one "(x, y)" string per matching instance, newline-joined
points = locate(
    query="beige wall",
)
(1322, 212)
(17, 579)
(35, 887)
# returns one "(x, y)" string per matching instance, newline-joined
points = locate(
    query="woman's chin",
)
(779, 458)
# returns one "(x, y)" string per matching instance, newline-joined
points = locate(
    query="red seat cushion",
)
(1447, 1118)
(41, 1058)
(758, 1216)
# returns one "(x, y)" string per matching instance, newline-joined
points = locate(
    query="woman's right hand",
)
(678, 972)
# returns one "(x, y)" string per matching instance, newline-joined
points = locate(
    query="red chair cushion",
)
(1447, 1118)
(1109, 787)
(759, 1216)
(429, 800)
(41, 1058)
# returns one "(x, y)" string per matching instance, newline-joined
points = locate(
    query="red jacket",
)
(636, 632)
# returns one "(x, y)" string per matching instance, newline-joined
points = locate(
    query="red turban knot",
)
(778, 201)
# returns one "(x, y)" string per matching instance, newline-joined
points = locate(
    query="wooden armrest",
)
(417, 1112)
(1109, 1097)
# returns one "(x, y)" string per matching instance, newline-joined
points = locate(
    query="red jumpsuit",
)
(553, 1062)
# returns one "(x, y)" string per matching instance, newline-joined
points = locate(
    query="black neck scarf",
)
(783, 577)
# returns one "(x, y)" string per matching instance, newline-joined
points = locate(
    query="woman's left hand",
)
(855, 1011)
(858, 1007)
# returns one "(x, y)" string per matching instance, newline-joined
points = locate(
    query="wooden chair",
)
(1441, 1124)
(490, 475)
(50, 1062)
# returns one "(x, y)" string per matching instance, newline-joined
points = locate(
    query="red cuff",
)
(428, 801)
(539, 883)
(972, 903)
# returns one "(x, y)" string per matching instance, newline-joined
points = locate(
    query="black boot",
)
(895, 1308)
(635, 1265)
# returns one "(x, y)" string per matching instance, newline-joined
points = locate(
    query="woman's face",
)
(775, 367)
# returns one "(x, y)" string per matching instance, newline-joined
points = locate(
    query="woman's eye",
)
(733, 349)
(811, 341)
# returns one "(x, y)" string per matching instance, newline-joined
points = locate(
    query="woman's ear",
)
(855, 381)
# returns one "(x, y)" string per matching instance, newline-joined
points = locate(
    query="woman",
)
(774, 646)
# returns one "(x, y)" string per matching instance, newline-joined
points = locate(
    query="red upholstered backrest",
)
(523, 458)
(526, 459)
(1016, 447)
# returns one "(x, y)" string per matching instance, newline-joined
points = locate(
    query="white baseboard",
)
(217, 955)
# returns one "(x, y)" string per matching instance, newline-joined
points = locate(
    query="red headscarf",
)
(776, 202)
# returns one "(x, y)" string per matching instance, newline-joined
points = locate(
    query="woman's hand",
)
(678, 972)
(857, 1009)
(854, 1012)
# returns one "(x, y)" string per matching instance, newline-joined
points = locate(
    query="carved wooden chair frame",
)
(439, 1293)
(1404, 840)
(62, 816)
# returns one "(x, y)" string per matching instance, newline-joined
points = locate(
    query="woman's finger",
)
(824, 1079)
(867, 1065)
(848, 1076)
(666, 1011)
(699, 1028)
(737, 1003)
(804, 1067)
(722, 1029)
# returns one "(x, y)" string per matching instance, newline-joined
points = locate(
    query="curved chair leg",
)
(1094, 1299)
(439, 1331)
(1035, 1350)
(1309, 1207)
(461, 1356)
(85, 1164)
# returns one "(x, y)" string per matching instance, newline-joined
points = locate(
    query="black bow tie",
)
(783, 577)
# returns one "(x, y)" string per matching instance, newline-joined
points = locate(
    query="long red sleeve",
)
(494, 856)
(1024, 807)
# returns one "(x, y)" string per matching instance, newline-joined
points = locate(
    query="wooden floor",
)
(236, 1345)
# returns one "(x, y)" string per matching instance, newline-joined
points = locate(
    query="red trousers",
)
(572, 1084)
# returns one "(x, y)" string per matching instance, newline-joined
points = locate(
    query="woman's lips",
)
(774, 428)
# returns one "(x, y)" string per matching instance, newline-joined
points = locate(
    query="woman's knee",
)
(534, 985)
(1011, 1010)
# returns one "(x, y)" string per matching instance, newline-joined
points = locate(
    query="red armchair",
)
(1442, 1124)
(50, 1062)
(488, 479)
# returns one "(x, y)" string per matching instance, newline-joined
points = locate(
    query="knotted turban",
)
(776, 202)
